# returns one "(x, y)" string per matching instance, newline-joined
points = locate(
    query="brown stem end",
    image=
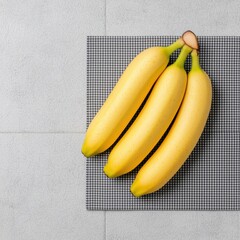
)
(191, 40)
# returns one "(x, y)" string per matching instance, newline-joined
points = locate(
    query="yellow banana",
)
(126, 98)
(154, 119)
(182, 137)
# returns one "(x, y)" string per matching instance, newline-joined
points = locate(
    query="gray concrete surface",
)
(42, 116)
(42, 186)
(180, 225)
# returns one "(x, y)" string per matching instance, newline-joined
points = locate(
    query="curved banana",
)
(153, 120)
(126, 98)
(182, 137)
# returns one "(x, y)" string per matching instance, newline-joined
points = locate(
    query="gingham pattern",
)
(210, 179)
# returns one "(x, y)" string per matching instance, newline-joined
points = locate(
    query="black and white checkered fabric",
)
(210, 179)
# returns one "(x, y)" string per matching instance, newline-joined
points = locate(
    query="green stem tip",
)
(173, 47)
(183, 55)
(195, 60)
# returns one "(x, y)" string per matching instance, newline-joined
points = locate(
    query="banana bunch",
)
(176, 97)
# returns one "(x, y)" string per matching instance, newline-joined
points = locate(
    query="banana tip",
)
(85, 152)
(134, 191)
(108, 172)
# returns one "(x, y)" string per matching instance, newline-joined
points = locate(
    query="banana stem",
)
(173, 47)
(183, 55)
(195, 61)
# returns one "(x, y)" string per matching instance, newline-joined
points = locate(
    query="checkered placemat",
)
(210, 179)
